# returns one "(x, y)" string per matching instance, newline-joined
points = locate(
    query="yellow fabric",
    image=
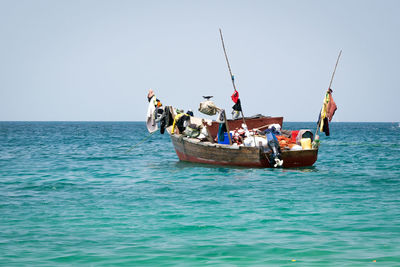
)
(175, 120)
(305, 143)
(323, 111)
(154, 98)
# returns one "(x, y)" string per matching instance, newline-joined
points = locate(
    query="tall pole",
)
(230, 71)
(330, 84)
(333, 74)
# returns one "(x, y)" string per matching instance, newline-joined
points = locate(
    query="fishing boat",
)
(194, 150)
(209, 150)
(257, 141)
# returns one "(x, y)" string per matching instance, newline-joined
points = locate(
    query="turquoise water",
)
(71, 195)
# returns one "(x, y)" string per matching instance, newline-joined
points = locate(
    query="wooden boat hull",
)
(192, 150)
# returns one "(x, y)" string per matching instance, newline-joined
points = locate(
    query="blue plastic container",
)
(226, 139)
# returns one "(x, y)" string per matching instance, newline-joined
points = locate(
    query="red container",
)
(294, 135)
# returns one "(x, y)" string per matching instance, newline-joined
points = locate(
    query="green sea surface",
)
(71, 194)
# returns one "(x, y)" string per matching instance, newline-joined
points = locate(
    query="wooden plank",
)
(209, 136)
(227, 128)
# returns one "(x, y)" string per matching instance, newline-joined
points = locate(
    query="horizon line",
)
(145, 121)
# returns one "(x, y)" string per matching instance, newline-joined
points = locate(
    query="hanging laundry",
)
(166, 120)
(235, 114)
(159, 113)
(235, 97)
(221, 116)
(325, 127)
(331, 109)
(150, 96)
(328, 110)
(237, 106)
(322, 122)
(151, 120)
(154, 112)
(181, 121)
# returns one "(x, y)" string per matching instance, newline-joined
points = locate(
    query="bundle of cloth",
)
(154, 112)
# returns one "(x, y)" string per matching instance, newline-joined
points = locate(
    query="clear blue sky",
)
(96, 60)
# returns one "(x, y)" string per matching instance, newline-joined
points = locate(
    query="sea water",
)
(78, 193)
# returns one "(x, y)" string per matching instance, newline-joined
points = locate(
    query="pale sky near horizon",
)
(95, 60)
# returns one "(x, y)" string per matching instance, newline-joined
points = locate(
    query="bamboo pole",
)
(230, 71)
(334, 71)
(330, 84)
